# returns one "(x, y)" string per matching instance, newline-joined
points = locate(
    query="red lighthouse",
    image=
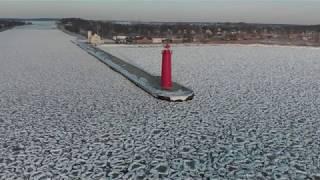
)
(166, 82)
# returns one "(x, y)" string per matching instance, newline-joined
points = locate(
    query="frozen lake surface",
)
(63, 114)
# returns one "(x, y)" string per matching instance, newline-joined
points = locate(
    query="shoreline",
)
(7, 28)
(214, 43)
(207, 44)
(267, 44)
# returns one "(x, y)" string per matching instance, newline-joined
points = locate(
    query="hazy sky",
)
(263, 11)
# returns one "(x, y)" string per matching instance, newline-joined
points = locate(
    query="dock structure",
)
(149, 83)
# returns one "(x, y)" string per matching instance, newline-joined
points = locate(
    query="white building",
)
(158, 40)
(94, 39)
(89, 36)
(209, 32)
(120, 39)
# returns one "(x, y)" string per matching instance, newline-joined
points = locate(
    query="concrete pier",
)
(149, 83)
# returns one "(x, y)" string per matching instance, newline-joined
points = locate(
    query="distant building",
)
(143, 40)
(89, 36)
(158, 40)
(197, 38)
(219, 35)
(307, 36)
(94, 39)
(294, 36)
(69, 24)
(177, 40)
(315, 36)
(267, 35)
(209, 32)
(120, 39)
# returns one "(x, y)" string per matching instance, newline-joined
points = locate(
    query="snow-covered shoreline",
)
(204, 45)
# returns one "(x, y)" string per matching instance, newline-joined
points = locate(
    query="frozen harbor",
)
(65, 115)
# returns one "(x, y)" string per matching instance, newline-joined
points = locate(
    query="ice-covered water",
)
(63, 114)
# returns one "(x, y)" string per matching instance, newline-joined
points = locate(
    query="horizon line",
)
(158, 21)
